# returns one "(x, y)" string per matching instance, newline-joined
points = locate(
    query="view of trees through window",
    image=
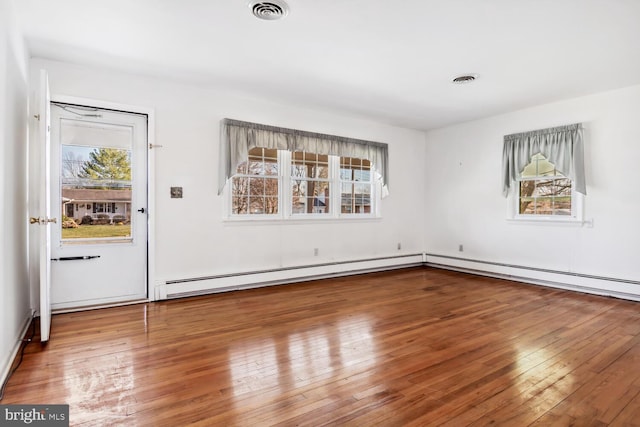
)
(96, 192)
(311, 184)
(544, 190)
(255, 186)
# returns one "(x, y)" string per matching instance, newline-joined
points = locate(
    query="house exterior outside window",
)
(278, 184)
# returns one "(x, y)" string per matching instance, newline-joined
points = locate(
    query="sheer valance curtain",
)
(238, 137)
(561, 146)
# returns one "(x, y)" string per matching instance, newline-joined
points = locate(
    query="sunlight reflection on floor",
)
(261, 363)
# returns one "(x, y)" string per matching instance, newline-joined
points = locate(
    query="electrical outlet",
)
(176, 192)
(460, 248)
(399, 246)
(315, 251)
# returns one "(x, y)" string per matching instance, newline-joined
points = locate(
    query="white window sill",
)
(568, 221)
(298, 220)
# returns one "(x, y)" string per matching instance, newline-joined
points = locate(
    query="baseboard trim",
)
(180, 288)
(7, 363)
(579, 282)
(586, 283)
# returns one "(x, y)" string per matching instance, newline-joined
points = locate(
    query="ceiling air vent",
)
(465, 78)
(269, 10)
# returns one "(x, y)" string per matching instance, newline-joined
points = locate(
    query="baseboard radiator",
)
(598, 285)
(179, 288)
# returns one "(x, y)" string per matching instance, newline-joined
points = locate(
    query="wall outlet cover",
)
(176, 192)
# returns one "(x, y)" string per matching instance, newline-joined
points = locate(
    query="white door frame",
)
(150, 172)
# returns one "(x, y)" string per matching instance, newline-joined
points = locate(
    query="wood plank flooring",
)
(414, 347)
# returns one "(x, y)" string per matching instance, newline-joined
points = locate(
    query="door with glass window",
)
(99, 187)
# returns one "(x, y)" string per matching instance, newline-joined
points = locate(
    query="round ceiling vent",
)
(271, 10)
(465, 78)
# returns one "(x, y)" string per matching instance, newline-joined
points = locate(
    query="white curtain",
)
(238, 137)
(561, 146)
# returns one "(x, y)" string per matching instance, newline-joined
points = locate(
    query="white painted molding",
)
(151, 171)
(597, 285)
(178, 288)
(8, 362)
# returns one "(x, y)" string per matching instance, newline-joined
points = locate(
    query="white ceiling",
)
(389, 61)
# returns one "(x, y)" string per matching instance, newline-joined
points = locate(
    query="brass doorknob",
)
(34, 220)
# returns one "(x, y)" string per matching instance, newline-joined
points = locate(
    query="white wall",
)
(14, 290)
(464, 191)
(191, 238)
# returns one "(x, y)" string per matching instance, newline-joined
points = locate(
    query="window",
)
(544, 190)
(356, 184)
(256, 184)
(310, 185)
(317, 175)
(547, 166)
(544, 193)
(100, 207)
(278, 184)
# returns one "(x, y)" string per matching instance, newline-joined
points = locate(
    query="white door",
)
(43, 220)
(99, 189)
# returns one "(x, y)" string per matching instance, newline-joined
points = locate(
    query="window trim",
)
(513, 197)
(288, 195)
(238, 137)
(285, 196)
(562, 146)
(576, 217)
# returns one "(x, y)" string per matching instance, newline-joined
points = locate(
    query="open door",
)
(99, 189)
(44, 220)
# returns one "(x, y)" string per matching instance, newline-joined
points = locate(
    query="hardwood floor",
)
(412, 347)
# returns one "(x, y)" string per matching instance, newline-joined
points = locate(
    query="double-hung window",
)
(279, 173)
(256, 184)
(310, 183)
(356, 186)
(547, 166)
(277, 184)
(543, 190)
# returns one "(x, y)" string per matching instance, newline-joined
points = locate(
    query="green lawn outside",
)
(96, 231)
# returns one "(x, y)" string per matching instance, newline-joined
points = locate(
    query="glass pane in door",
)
(95, 183)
